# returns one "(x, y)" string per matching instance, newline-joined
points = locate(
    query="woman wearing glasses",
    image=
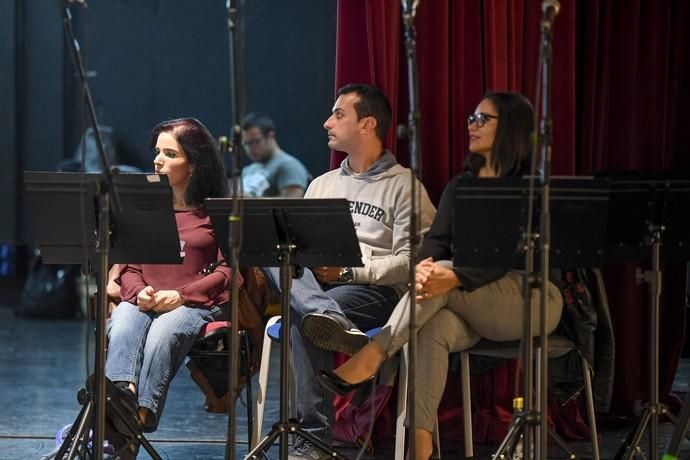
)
(457, 306)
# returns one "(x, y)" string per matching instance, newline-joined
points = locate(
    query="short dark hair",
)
(511, 152)
(372, 103)
(208, 179)
(258, 120)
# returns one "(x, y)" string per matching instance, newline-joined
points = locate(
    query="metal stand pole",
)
(108, 198)
(284, 426)
(235, 218)
(545, 227)
(414, 136)
(531, 410)
(651, 412)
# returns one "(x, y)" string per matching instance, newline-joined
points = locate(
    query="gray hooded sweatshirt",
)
(380, 202)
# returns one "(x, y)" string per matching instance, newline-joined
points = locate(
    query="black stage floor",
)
(42, 366)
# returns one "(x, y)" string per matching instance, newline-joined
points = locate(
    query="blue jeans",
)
(367, 306)
(147, 349)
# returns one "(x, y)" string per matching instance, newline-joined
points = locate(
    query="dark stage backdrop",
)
(153, 60)
(620, 98)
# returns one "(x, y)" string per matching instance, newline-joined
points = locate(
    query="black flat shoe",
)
(122, 406)
(335, 384)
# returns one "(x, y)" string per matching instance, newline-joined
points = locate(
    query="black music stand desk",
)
(491, 216)
(650, 221)
(67, 221)
(490, 231)
(288, 233)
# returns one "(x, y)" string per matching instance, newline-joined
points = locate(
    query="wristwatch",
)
(346, 275)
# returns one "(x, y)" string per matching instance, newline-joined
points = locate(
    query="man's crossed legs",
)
(325, 319)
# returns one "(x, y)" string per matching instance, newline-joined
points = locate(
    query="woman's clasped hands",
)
(159, 301)
(433, 279)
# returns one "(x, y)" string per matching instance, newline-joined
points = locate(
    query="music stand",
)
(490, 224)
(489, 231)
(649, 218)
(683, 421)
(65, 211)
(289, 233)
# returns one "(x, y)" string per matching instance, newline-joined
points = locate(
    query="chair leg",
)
(292, 391)
(292, 388)
(466, 403)
(246, 349)
(590, 408)
(402, 406)
(263, 383)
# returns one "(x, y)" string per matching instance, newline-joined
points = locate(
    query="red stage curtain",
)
(620, 99)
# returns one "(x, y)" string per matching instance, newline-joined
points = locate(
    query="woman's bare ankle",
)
(424, 444)
(143, 415)
(363, 364)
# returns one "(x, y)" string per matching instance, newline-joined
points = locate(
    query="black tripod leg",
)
(80, 438)
(507, 446)
(679, 432)
(74, 432)
(149, 448)
(256, 452)
(291, 427)
(317, 442)
(631, 444)
(561, 443)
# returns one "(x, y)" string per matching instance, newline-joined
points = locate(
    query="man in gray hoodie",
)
(333, 305)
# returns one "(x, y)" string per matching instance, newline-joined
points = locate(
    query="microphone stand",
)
(550, 8)
(235, 219)
(108, 202)
(409, 13)
(530, 411)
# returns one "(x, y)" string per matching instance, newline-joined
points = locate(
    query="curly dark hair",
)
(201, 148)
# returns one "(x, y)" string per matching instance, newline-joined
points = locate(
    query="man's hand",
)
(167, 300)
(326, 274)
(145, 299)
(432, 279)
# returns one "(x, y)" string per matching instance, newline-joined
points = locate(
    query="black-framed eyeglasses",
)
(252, 142)
(480, 118)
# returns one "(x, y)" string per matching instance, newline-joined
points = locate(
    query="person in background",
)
(272, 172)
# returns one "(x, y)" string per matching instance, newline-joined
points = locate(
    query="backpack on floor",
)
(50, 291)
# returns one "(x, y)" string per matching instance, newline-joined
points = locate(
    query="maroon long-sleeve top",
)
(198, 249)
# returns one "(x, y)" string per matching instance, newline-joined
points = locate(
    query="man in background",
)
(273, 172)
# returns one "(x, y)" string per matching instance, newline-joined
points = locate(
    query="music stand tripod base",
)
(57, 201)
(286, 426)
(79, 431)
(498, 207)
(649, 213)
(293, 233)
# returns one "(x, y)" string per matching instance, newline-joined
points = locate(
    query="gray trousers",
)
(456, 321)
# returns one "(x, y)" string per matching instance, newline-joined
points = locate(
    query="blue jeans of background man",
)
(147, 349)
(366, 305)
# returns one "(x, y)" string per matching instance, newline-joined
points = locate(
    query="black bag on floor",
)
(50, 291)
